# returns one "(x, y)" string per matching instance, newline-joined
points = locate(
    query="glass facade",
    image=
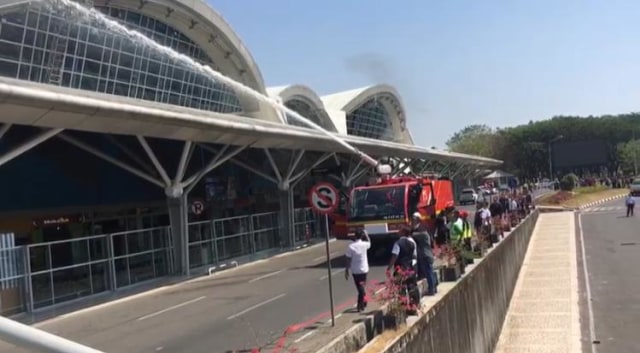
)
(306, 110)
(41, 45)
(371, 120)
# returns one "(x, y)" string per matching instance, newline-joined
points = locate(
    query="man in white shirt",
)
(358, 264)
(631, 203)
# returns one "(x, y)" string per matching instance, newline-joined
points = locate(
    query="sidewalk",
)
(544, 313)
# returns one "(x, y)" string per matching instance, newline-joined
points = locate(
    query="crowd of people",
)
(417, 249)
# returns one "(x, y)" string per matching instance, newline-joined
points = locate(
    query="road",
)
(612, 249)
(231, 311)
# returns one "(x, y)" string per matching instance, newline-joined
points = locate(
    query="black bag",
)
(477, 221)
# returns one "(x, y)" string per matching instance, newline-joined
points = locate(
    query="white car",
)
(468, 196)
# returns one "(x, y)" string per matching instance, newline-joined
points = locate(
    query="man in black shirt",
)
(496, 213)
(424, 244)
(403, 257)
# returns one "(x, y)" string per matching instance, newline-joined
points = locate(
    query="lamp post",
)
(557, 138)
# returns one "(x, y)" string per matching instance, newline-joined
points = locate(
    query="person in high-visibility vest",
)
(456, 230)
(466, 230)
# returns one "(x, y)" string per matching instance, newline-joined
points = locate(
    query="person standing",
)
(404, 259)
(358, 264)
(631, 204)
(424, 244)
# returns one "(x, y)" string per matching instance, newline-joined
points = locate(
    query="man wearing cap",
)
(424, 245)
(358, 264)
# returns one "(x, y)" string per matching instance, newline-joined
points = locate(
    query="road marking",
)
(333, 273)
(592, 327)
(304, 336)
(336, 317)
(256, 306)
(267, 275)
(171, 308)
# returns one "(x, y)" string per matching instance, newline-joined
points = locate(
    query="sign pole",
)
(326, 242)
(324, 198)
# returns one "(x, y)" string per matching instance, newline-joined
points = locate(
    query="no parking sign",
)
(324, 198)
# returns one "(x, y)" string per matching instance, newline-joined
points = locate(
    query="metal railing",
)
(211, 242)
(13, 284)
(65, 270)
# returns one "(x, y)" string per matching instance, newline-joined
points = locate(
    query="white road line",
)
(256, 306)
(336, 317)
(333, 273)
(267, 275)
(304, 336)
(592, 326)
(171, 308)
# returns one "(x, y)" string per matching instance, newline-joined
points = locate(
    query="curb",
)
(601, 201)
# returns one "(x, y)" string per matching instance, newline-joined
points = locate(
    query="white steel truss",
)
(354, 171)
(27, 145)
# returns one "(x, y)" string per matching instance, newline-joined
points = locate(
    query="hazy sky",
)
(454, 62)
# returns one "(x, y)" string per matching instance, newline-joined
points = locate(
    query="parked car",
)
(468, 196)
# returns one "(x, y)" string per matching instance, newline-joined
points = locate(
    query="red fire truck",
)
(382, 207)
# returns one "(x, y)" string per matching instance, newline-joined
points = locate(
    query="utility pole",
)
(635, 144)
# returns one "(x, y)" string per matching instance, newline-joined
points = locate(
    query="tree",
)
(524, 148)
(474, 139)
(629, 155)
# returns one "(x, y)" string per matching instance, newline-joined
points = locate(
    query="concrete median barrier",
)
(469, 317)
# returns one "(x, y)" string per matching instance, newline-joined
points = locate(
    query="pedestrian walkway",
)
(605, 209)
(543, 314)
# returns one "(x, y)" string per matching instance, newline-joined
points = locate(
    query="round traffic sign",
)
(324, 198)
(197, 207)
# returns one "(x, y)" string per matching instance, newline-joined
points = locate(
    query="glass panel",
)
(39, 258)
(98, 248)
(122, 272)
(267, 239)
(100, 44)
(139, 242)
(119, 245)
(141, 268)
(100, 277)
(71, 283)
(160, 238)
(234, 246)
(42, 291)
(201, 254)
(161, 262)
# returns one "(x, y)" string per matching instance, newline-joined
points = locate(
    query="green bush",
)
(569, 182)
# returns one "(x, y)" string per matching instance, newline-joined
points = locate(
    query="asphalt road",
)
(612, 249)
(231, 311)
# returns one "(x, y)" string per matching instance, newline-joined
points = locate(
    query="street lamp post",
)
(557, 138)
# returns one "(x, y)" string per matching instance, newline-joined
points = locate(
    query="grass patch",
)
(581, 196)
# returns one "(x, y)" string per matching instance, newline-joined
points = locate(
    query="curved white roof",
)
(305, 94)
(340, 104)
(205, 27)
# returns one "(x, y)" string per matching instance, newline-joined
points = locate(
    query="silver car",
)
(468, 196)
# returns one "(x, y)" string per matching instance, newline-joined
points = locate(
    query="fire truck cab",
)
(382, 208)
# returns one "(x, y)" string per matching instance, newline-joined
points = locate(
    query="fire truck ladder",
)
(59, 42)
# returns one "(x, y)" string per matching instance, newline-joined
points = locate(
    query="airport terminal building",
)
(122, 163)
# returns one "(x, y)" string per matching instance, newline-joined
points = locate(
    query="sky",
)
(454, 62)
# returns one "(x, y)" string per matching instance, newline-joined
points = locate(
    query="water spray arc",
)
(217, 76)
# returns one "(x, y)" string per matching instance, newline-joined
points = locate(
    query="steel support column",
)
(285, 180)
(176, 189)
